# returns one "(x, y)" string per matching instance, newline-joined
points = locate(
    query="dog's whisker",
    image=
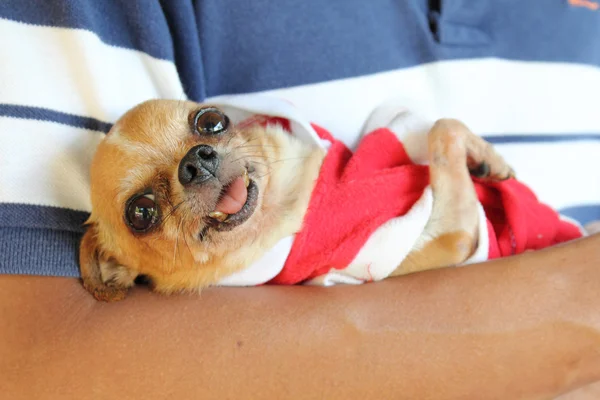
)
(263, 175)
(251, 156)
(202, 233)
(246, 141)
(229, 140)
(173, 210)
(257, 145)
(188, 246)
(275, 159)
(290, 159)
(176, 247)
(260, 163)
(166, 217)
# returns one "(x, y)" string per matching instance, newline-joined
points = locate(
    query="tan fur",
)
(144, 149)
(450, 235)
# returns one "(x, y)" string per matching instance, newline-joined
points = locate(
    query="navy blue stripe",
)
(45, 114)
(575, 137)
(187, 50)
(41, 217)
(139, 25)
(39, 252)
(583, 214)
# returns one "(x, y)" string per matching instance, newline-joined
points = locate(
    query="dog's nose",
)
(199, 165)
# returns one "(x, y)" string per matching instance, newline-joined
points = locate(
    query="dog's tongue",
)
(234, 198)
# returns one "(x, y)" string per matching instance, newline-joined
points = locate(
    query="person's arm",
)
(589, 392)
(524, 327)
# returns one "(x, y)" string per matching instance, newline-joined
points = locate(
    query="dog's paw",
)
(105, 293)
(452, 138)
(498, 171)
(484, 162)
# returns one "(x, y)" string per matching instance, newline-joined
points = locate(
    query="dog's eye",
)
(142, 212)
(210, 121)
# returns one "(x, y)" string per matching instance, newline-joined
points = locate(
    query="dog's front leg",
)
(450, 236)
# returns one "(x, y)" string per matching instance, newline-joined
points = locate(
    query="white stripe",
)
(562, 174)
(71, 70)
(264, 269)
(44, 163)
(489, 95)
(410, 129)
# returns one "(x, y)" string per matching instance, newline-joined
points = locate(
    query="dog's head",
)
(183, 197)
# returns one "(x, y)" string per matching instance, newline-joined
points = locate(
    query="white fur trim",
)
(409, 127)
(263, 270)
(483, 248)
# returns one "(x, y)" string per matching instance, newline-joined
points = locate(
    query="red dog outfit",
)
(369, 207)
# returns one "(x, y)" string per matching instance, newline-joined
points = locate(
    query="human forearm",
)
(525, 327)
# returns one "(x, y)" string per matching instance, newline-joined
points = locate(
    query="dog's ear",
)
(102, 275)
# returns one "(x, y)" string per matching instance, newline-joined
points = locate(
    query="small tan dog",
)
(182, 196)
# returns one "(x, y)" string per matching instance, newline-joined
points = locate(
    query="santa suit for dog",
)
(369, 207)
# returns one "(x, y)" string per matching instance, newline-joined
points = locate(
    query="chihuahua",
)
(186, 197)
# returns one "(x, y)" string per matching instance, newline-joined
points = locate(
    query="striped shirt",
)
(522, 74)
